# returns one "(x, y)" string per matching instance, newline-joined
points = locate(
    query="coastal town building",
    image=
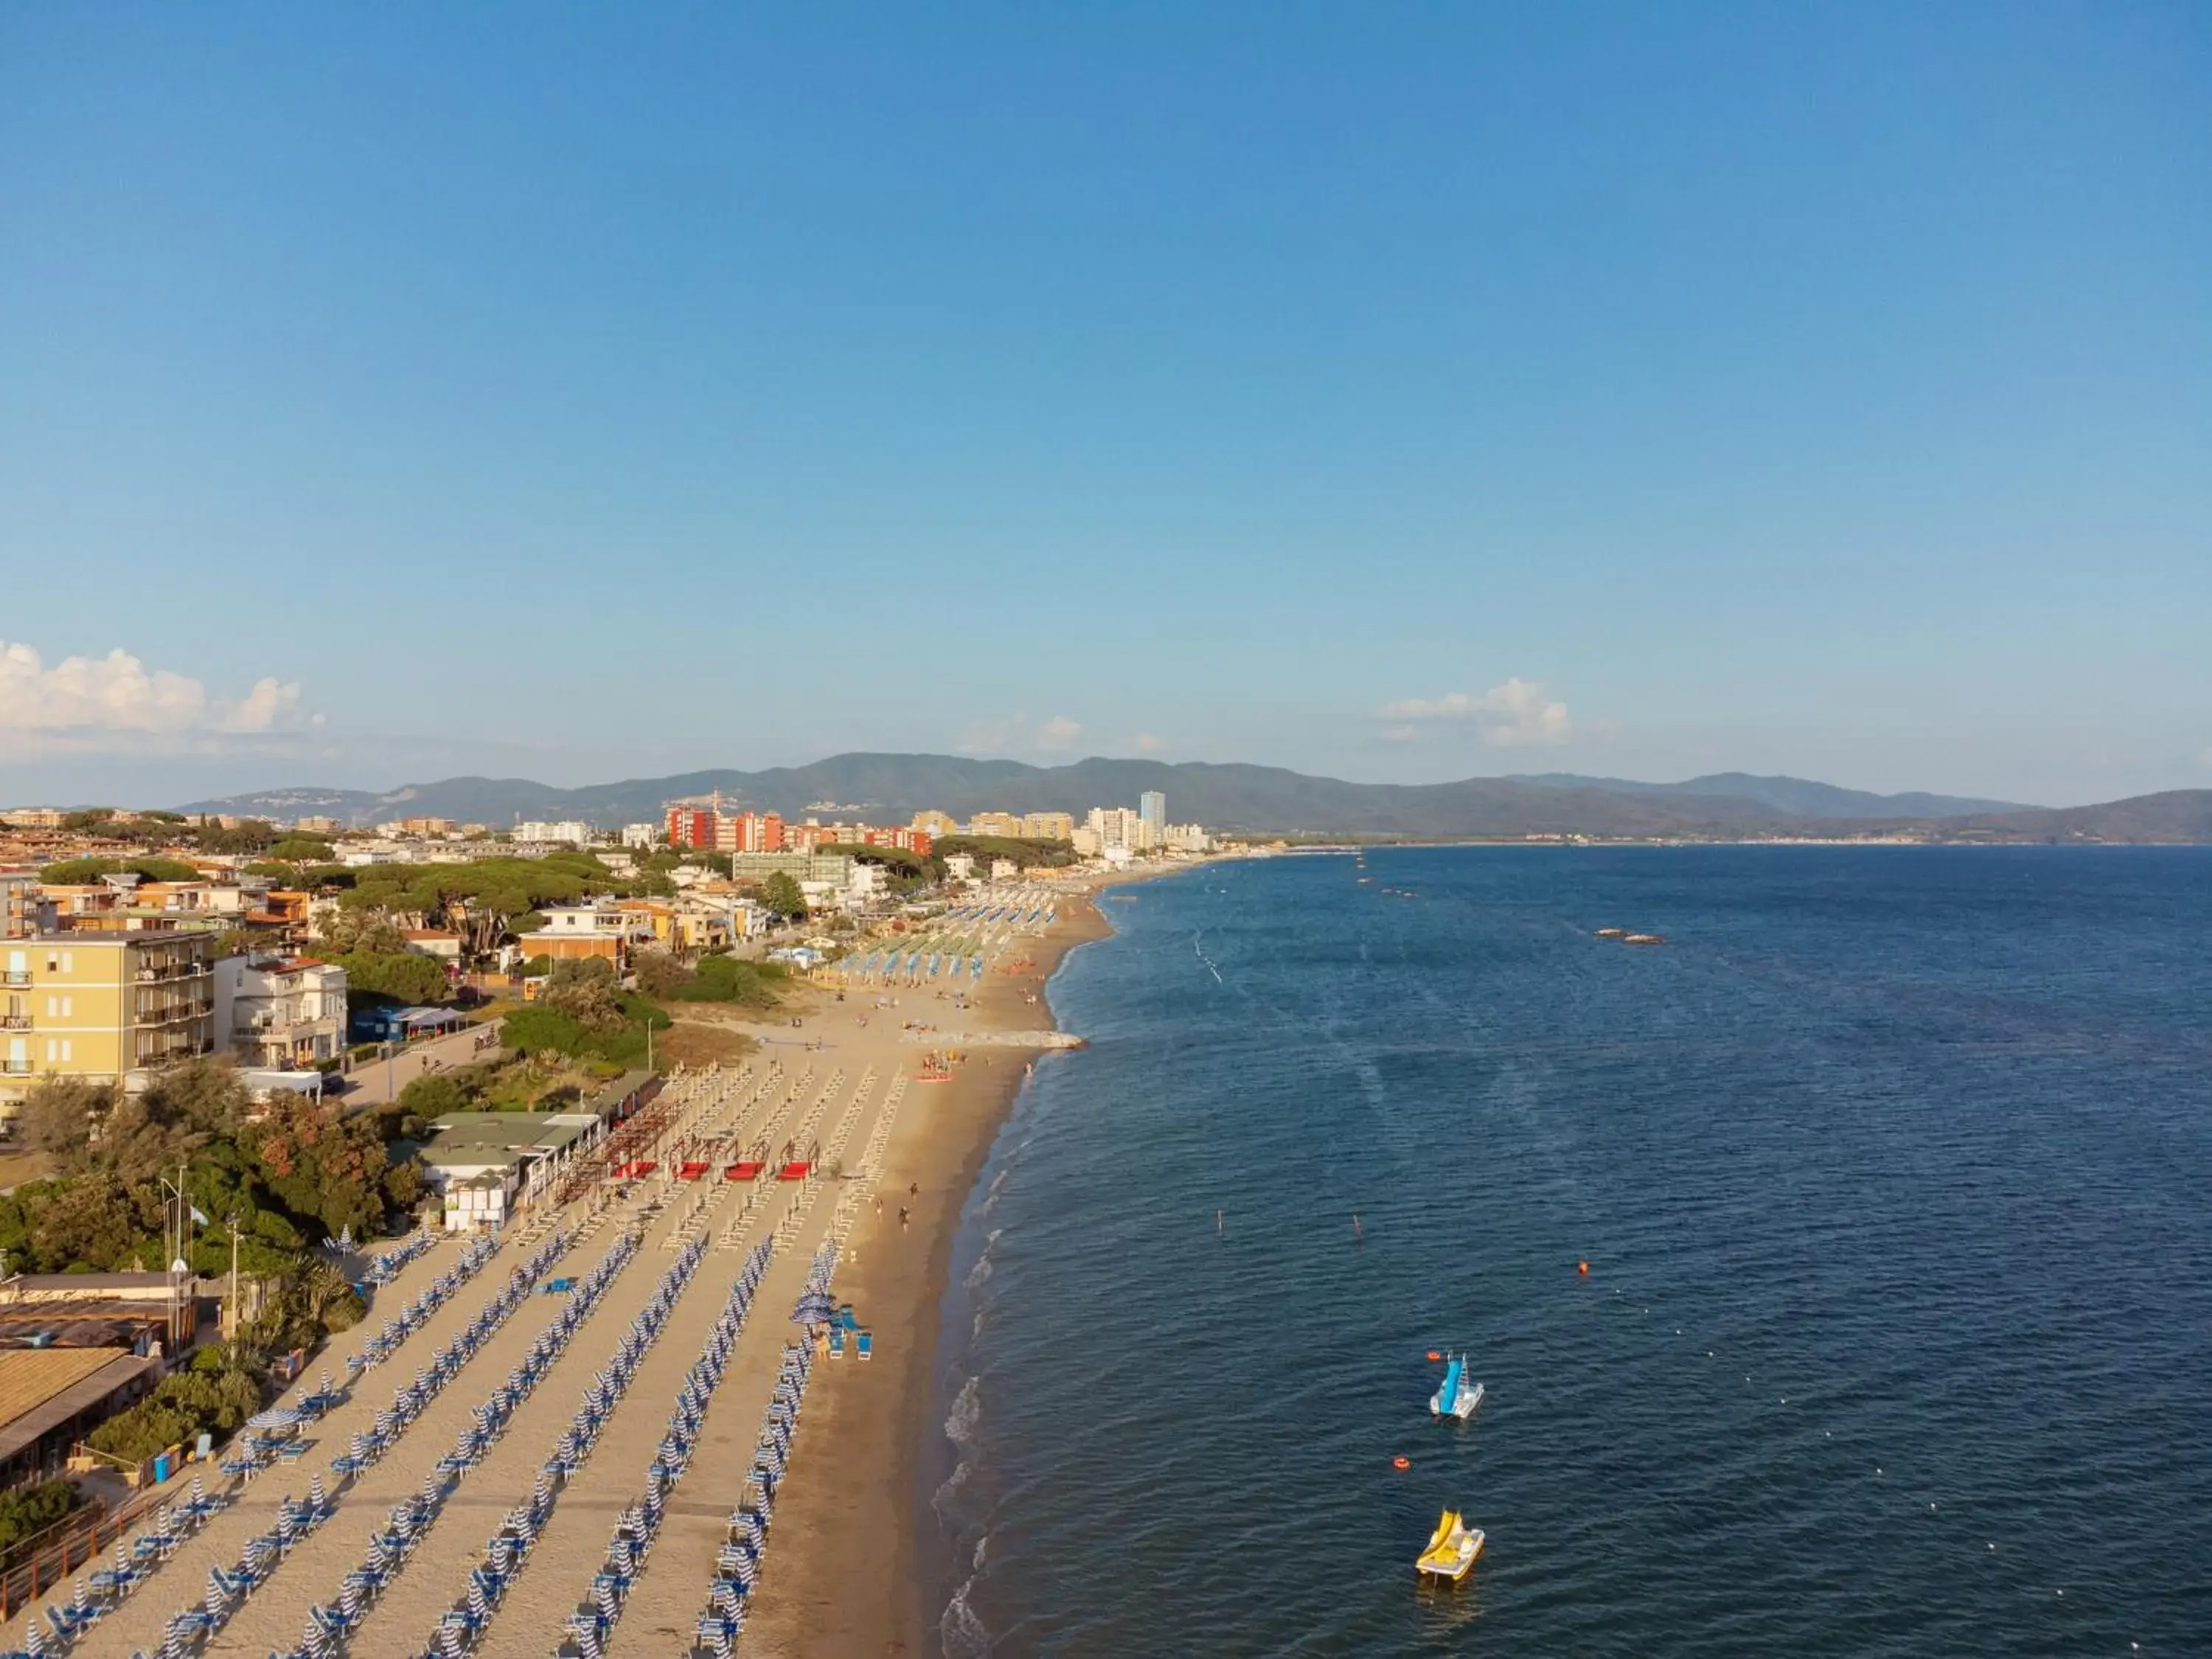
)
(19, 903)
(751, 832)
(1047, 826)
(834, 869)
(286, 1013)
(690, 826)
(1118, 827)
(641, 835)
(933, 823)
(438, 942)
(568, 832)
(316, 824)
(486, 1164)
(1152, 808)
(995, 824)
(110, 1007)
(598, 928)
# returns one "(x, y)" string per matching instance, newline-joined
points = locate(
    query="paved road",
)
(381, 1081)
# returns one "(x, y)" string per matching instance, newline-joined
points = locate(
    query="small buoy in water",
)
(1582, 1267)
(1433, 1354)
(1401, 1462)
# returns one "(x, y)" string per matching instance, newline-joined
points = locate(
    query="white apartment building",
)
(641, 835)
(1121, 827)
(568, 831)
(284, 1013)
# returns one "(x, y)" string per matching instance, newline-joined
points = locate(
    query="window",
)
(54, 1006)
(68, 962)
(69, 1007)
(67, 1055)
(50, 1048)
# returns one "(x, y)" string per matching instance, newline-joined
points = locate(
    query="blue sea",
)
(1892, 1169)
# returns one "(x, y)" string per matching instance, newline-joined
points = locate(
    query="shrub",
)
(28, 1510)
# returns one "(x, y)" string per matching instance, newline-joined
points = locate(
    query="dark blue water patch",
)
(1891, 1167)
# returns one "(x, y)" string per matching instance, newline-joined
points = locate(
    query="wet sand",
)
(841, 1575)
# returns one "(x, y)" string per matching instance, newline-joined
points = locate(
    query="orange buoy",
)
(1401, 1462)
(1433, 1354)
(1582, 1268)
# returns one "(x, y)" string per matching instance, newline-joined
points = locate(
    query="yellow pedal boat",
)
(1452, 1548)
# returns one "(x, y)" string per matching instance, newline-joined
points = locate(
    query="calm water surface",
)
(1893, 1169)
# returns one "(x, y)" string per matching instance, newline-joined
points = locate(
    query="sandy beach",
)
(843, 1575)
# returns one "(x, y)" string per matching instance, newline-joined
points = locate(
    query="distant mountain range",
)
(1797, 797)
(892, 788)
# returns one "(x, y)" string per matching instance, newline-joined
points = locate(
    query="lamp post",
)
(178, 1264)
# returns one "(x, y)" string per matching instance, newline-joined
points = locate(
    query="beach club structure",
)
(504, 1436)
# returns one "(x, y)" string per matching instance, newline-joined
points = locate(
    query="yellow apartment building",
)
(110, 1007)
(1048, 826)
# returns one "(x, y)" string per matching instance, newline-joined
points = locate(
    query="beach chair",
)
(863, 1343)
(836, 1341)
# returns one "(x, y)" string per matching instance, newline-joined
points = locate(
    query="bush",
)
(539, 1030)
(434, 1096)
(28, 1510)
(184, 1404)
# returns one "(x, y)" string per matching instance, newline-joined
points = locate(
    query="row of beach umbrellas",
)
(461, 1627)
(633, 1532)
(737, 1568)
(227, 1590)
(329, 1624)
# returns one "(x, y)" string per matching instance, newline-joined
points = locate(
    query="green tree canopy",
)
(79, 872)
(327, 1165)
(374, 977)
(584, 990)
(781, 893)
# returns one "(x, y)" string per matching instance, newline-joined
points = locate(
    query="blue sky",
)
(1399, 393)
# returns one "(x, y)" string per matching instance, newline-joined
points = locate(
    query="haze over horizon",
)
(1394, 396)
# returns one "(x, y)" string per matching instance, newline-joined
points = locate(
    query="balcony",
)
(176, 971)
(17, 976)
(15, 1069)
(14, 1022)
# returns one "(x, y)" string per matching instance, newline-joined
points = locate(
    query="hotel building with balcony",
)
(110, 1008)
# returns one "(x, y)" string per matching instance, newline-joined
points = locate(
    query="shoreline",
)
(855, 1511)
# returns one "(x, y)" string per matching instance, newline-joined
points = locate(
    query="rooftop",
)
(463, 1138)
(41, 1389)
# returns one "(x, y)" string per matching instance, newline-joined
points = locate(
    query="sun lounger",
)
(864, 1341)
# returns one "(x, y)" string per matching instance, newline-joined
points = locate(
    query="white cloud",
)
(1515, 715)
(1059, 733)
(116, 701)
(269, 705)
(1145, 744)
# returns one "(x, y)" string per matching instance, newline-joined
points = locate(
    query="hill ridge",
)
(1243, 797)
